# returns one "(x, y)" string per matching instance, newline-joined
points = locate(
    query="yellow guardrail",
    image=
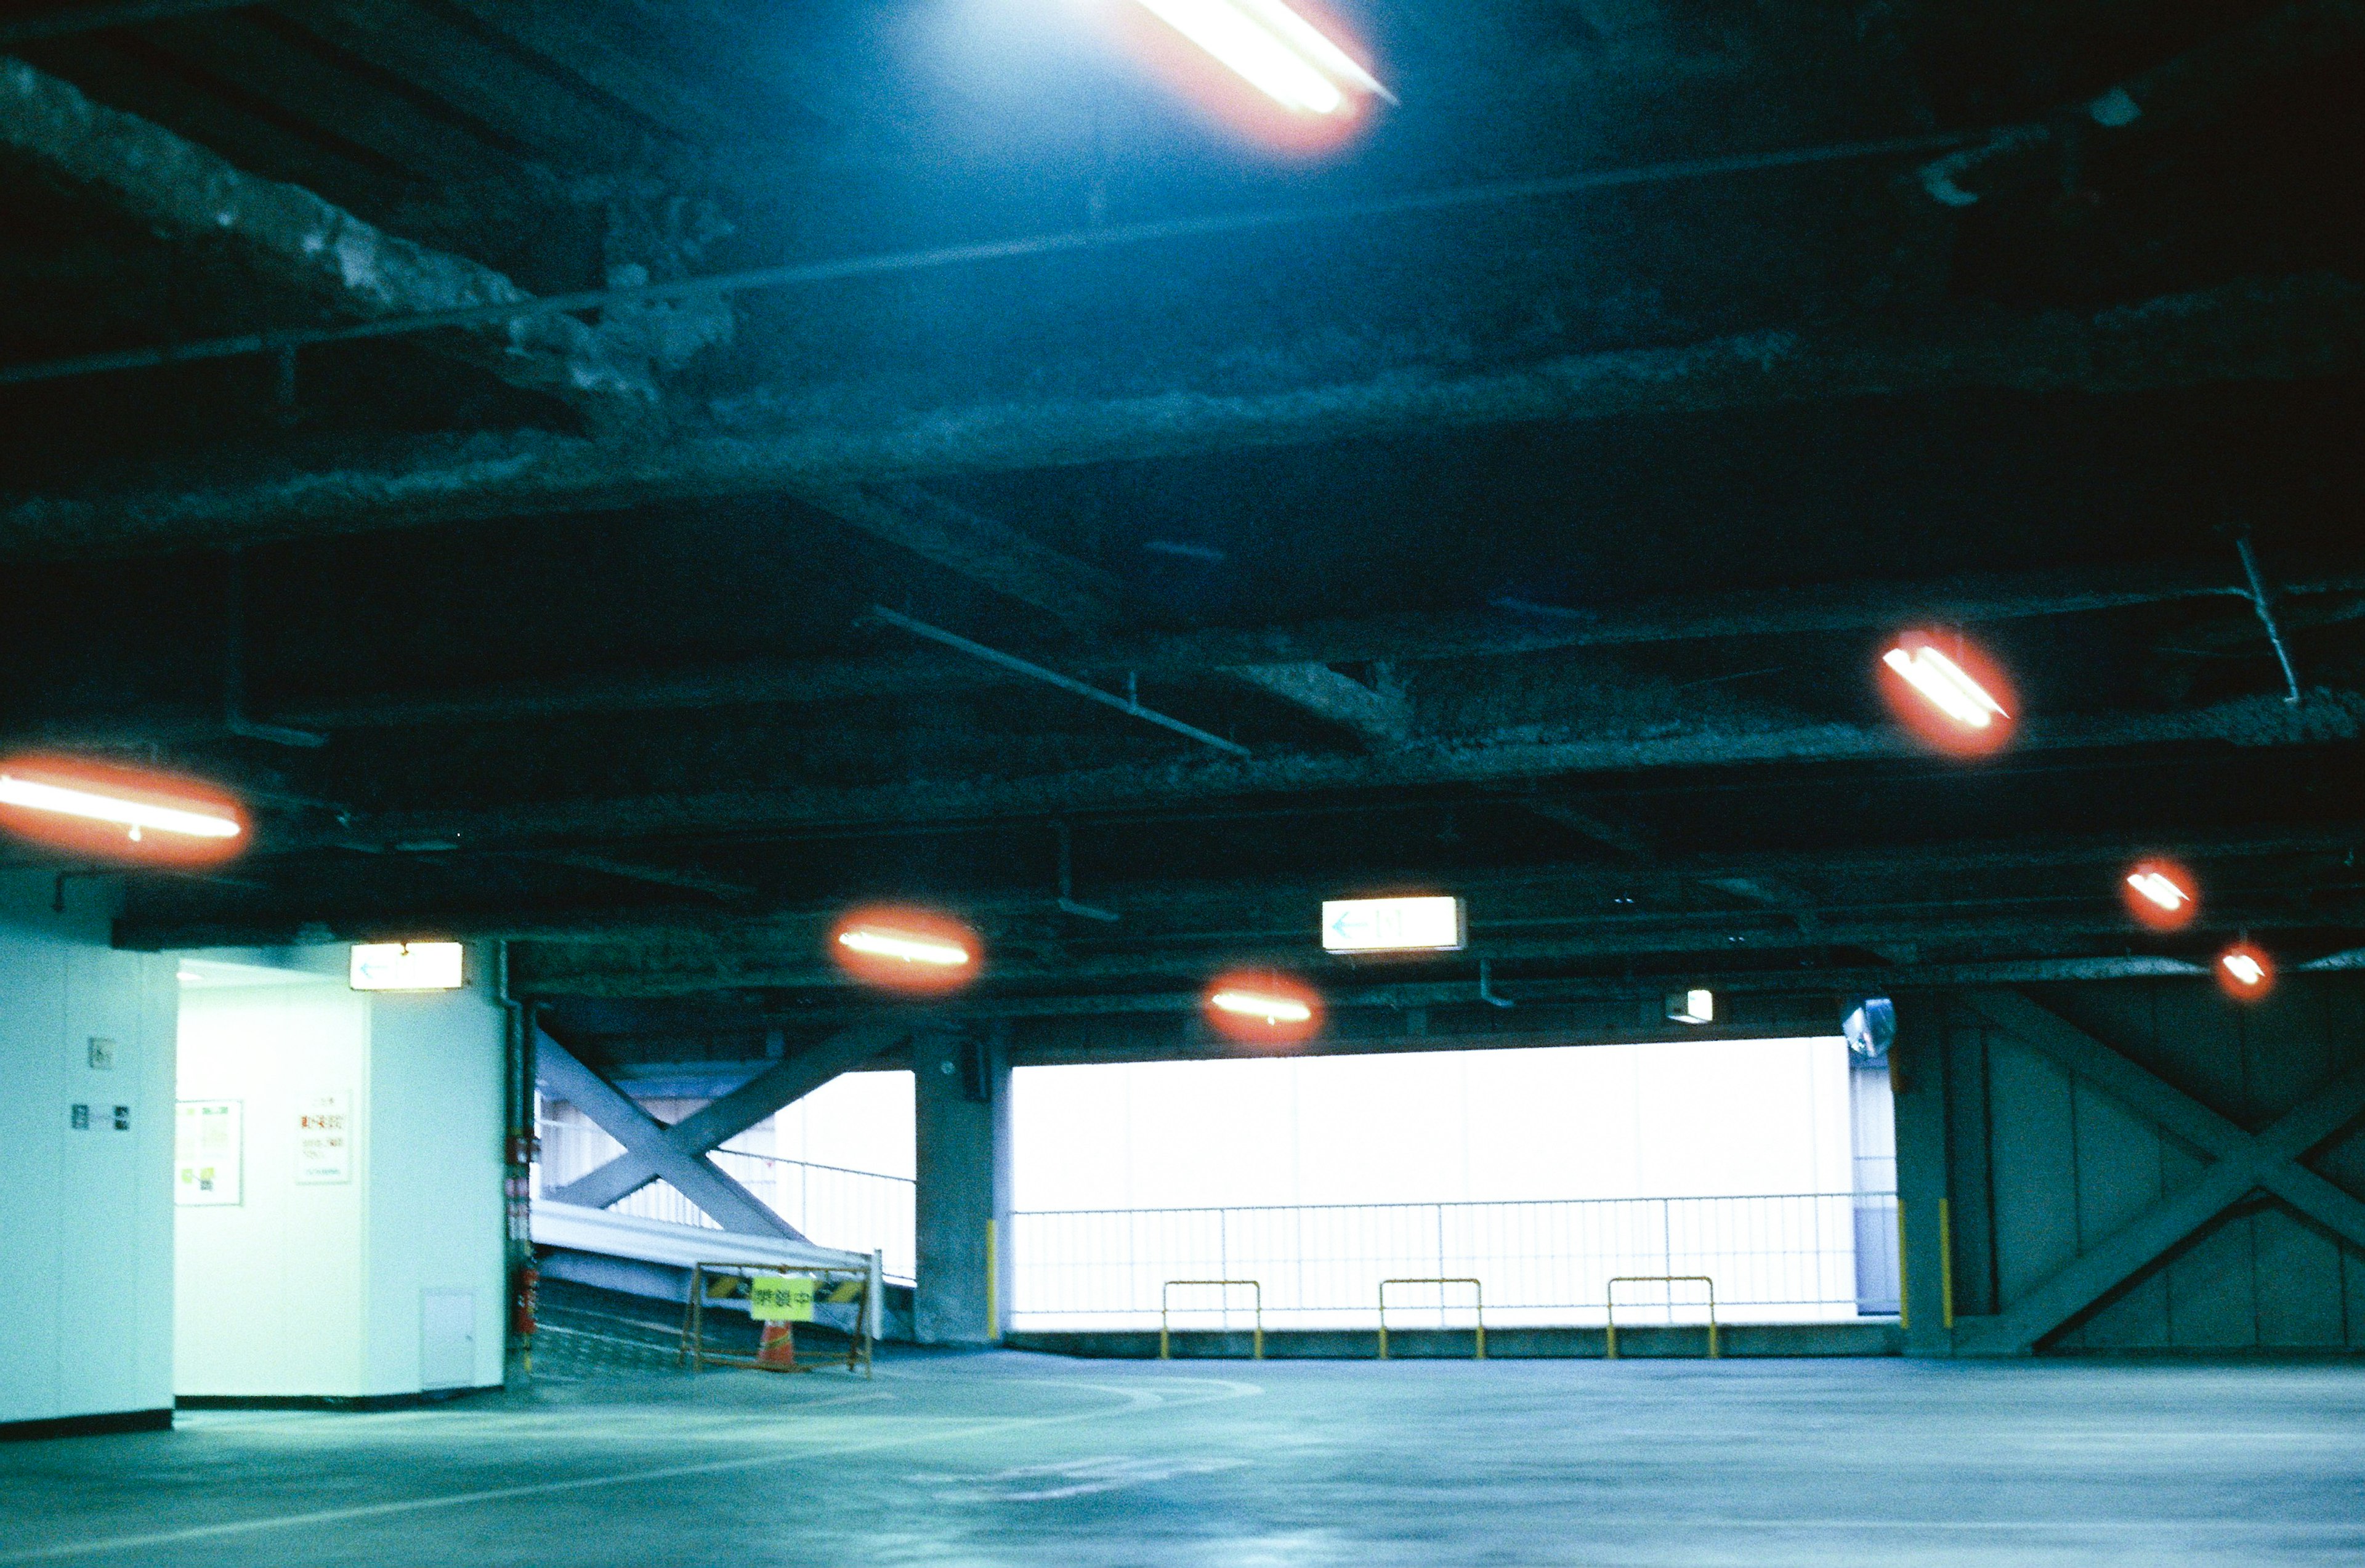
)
(1478, 1288)
(1611, 1334)
(1256, 1342)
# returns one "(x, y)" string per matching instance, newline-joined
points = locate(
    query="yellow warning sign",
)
(781, 1298)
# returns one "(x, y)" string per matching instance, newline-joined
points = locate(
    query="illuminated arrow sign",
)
(1391, 926)
(406, 966)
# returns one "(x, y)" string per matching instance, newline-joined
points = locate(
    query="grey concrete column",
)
(1917, 1067)
(961, 1102)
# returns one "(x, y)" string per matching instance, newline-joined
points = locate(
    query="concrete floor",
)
(1012, 1459)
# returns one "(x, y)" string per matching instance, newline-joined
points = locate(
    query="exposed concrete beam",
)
(991, 554)
(1379, 716)
(1402, 639)
(801, 441)
(97, 16)
(308, 246)
(1629, 839)
(721, 1120)
(2329, 715)
(2242, 1162)
(695, 1177)
(641, 871)
(1081, 597)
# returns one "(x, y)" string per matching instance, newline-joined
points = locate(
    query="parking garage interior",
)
(1182, 781)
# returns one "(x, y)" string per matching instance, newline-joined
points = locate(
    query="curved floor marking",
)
(1136, 1399)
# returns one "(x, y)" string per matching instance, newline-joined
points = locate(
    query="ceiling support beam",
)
(2329, 715)
(794, 443)
(2242, 1162)
(307, 246)
(691, 1140)
(655, 1153)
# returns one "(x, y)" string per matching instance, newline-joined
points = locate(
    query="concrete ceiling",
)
(1524, 491)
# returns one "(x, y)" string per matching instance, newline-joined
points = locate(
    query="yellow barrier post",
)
(1945, 1267)
(1478, 1288)
(1609, 1303)
(1256, 1340)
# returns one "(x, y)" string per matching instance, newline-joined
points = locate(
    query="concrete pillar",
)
(962, 1105)
(1917, 1064)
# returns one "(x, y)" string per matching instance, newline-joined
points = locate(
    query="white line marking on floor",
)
(1136, 1399)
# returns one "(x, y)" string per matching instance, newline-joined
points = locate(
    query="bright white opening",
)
(2158, 888)
(1542, 1171)
(92, 806)
(1256, 1004)
(900, 944)
(1949, 689)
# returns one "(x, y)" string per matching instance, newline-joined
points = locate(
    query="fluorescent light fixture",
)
(1257, 1004)
(2158, 890)
(910, 948)
(1272, 49)
(1945, 684)
(93, 805)
(1695, 1006)
(2245, 968)
(405, 966)
(1392, 926)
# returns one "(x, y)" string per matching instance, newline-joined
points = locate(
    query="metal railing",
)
(1791, 1258)
(860, 1211)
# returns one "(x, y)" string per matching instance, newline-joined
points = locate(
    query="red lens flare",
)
(1290, 77)
(2160, 894)
(1262, 1008)
(898, 948)
(1948, 693)
(130, 815)
(2245, 973)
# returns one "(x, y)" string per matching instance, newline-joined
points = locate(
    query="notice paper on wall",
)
(324, 1139)
(205, 1149)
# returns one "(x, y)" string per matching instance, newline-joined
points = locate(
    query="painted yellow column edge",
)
(1945, 1266)
(992, 1285)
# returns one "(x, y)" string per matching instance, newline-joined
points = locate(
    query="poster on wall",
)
(205, 1149)
(324, 1143)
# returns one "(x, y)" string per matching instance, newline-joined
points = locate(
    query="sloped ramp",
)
(653, 1258)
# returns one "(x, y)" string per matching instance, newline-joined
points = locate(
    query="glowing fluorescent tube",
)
(1272, 49)
(910, 948)
(2158, 888)
(1943, 682)
(1254, 1004)
(93, 806)
(2246, 969)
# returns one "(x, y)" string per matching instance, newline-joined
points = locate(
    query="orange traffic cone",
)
(778, 1349)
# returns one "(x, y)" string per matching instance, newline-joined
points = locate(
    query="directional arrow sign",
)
(406, 966)
(1391, 926)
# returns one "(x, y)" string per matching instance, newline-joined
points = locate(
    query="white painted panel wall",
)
(436, 1169)
(323, 1290)
(271, 1289)
(86, 1229)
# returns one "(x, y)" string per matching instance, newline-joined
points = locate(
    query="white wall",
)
(86, 1227)
(436, 1168)
(318, 1289)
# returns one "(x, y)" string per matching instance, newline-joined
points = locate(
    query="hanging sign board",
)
(324, 1140)
(405, 966)
(205, 1149)
(780, 1298)
(1392, 926)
